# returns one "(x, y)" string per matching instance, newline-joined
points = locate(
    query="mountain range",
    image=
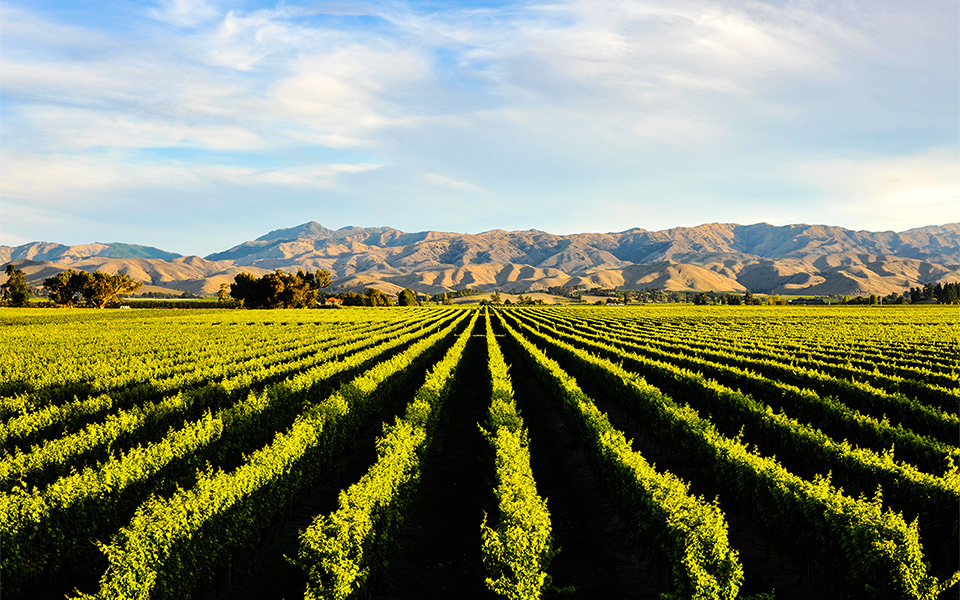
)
(761, 258)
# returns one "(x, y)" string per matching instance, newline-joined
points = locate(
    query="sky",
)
(196, 125)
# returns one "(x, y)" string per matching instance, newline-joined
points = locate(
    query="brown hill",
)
(186, 274)
(763, 258)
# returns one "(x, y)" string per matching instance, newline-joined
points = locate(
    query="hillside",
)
(762, 258)
(186, 274)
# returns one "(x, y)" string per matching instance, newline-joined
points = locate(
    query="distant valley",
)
(760, 258)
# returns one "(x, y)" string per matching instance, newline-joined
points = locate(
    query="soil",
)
(439, 542)
(263, 572)
(597, 558)
(768, 565)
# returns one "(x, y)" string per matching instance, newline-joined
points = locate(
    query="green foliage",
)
(15, 289)
(375, 297)
(371, 297)
(41, 528)
(173, 543)
(184, 399)
(407, 297)
(875, 548)
(517, 552)
(339, 551)
(690, 532)
(97, 289)
(65, 287)
(176, 438)
(797, 445)
(279, 289)
(104, 288)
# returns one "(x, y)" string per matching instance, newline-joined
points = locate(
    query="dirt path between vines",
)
(262, 572)
(767, 565)
(439, 542)
(597, 556)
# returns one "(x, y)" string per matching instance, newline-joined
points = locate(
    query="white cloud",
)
(895, 193)
(436, 179)
(185, 13)
(70, 129)
(350, 94)
(244, 41)
(319, 176)
(61, 182)
(675, 72)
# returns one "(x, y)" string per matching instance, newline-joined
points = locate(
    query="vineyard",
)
(447, 452)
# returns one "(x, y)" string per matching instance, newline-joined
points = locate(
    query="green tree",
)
(16, 291)
(246, 290)
(407, 297)
(103, 288)
(375, 297)
(352, 299)
(495, 298)
(323, 279)
(223, 294)
(65, 287)
(299, 291)
(279, 289)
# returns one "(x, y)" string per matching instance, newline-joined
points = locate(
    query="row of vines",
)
(145, 452)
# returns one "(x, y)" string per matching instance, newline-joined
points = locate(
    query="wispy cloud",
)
(887, 193)
(451, 183)
(185, 13)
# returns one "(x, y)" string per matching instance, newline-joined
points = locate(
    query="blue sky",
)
(194, 125)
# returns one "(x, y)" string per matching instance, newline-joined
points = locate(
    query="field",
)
(450, 452)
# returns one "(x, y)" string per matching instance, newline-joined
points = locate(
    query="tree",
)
(102, 288)
(407, 297)
(352, 299)
(246, 290)
(293, 290)
(15, 290)
(280, 289)
(951, 293)
(495, 298)
(323, 279)
(272, 287)
(375, 297)
(65, 287)
(223, 294)
(97, 288)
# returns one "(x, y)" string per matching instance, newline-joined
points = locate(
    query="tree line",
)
(303, 289)
(280, 289)
(944, 293)
(69, 288)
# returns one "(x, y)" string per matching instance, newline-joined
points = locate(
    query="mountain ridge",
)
(760, 257)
